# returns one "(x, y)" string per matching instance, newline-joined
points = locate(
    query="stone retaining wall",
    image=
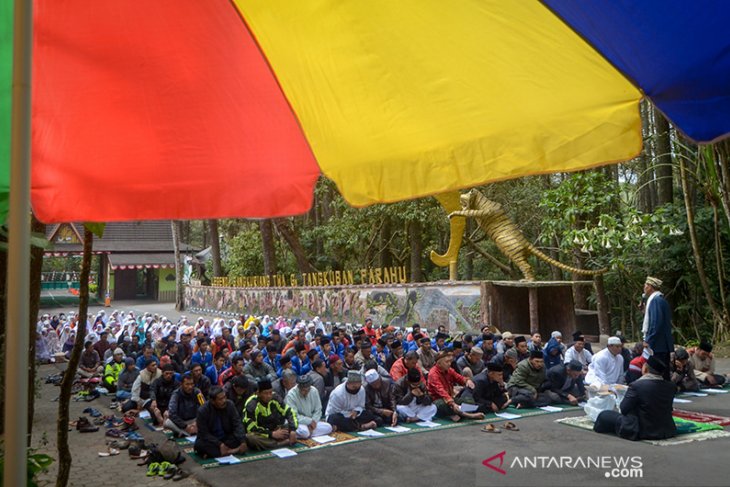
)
(458, 306)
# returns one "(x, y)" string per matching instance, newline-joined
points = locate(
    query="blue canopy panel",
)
(676, 51)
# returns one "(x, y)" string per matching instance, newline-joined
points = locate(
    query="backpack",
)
(167, 452)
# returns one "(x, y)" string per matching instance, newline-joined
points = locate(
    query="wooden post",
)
(534, 316)
(604, 323)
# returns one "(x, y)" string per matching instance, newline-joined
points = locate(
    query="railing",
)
(63, 280)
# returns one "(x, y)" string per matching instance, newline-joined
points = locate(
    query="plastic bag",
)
(595, 405)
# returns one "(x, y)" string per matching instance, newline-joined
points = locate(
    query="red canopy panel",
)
(174, 116)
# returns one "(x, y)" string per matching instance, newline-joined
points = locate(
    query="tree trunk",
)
(663, 167)
(267, 242)
(287, 231)
(179, 286)
(64, 454)
(385, 259)
(716, 314)
(36, 266)
(414, 238)
(469, 256)
(509, 271)
(721, 334)
(722, 163)
(604, 321)
(3, 302)
(646, 177)
(215, 248)
(555, 272)
(580, 293)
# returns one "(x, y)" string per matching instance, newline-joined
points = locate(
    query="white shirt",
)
(605, 368)
(645, 325)
(342, 402)
(584, 356)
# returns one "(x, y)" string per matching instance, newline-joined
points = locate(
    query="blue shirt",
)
(141, 361)
(198, 358)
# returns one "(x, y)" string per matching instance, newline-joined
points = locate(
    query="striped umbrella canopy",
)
(181, 109)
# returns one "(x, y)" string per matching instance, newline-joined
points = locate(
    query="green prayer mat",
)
(687, 431)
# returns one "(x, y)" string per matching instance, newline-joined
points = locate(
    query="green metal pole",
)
(18, 306)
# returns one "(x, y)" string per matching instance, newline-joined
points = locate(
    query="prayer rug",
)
(701, 417)
(687, 431)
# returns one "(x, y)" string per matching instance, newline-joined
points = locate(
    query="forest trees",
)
(665, 213)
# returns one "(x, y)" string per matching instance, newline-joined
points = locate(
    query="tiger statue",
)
(492, 219)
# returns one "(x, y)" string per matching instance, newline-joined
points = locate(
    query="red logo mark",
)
(488, 463)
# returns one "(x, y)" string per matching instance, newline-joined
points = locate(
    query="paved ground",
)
(447, 457)
(88, 469)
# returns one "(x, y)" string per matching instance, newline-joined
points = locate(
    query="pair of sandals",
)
(166, 470)
(490, 428)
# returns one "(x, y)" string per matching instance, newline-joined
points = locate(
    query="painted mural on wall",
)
(458, 307)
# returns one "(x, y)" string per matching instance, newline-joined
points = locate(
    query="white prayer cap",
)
(371, 376)
(614, 341)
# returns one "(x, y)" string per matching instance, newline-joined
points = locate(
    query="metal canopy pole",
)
(18, 305)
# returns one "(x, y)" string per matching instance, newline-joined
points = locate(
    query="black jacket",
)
(403, 395)
(184, 407)
(228, 419)
(650, 400)
(558, 381)
(161, 391)
(485, 392)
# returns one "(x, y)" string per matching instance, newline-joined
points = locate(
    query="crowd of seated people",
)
(259, 383)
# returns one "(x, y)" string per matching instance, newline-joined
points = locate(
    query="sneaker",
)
(134, 450)
(93, 412)
(114, 433)
(133, 435)
(82, 422)
(181, 474)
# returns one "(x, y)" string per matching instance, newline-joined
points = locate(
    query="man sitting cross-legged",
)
(646, 410)
(268, 422)
(161, 392)
(220, 431)
(472, 363)
(564, 383)
(524, 385)
(704, 364)
(304, 400)
(489, 392)
(682, 372)
(412, 400)
(441, 381)
(183, 408)
(346, 407)
(379, 398)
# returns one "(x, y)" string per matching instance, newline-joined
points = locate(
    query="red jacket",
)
(399, 370)
(370, 333)
(441, 383)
